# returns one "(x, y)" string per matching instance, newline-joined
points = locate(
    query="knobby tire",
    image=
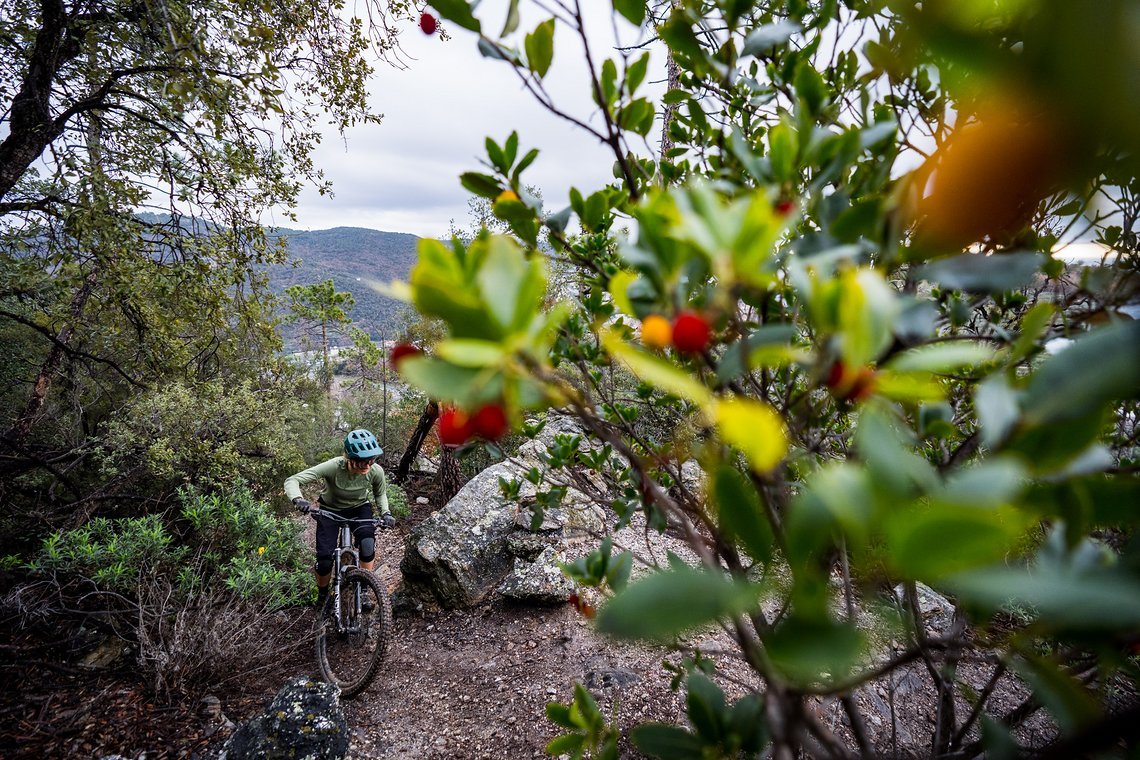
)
(351, 660)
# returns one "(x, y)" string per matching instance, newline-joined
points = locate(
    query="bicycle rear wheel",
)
(349, 657)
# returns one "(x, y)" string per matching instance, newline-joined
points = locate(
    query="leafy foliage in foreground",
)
(836, 281)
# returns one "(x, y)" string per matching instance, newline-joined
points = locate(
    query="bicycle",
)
(355, 624)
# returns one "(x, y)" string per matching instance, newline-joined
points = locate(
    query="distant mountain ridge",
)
(349, 256)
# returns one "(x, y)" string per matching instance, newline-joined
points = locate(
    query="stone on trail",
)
(304, 720)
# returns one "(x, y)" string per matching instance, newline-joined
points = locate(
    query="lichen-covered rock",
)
(539, 582)
(303, 722)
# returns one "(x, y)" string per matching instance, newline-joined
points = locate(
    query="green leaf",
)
(448, 382)
(679, 36)
(669, 602)
(493, 50)
(567, 744)
(558, 713)
(755, 429)
(480, 184)
(666, 742)
(458, 11)
(468, 352)
(741, 515)
(1070, 702)
(942, 358)
(512, 22)
(991, 483)
(979, 273)
(1082, 378)
(539, 46)
(526, 161)
(609, 82)
(765, 39)
(782, 149)
(704, 704)
(495, 153)
(738, 358)
(810, 87)
(1100, 600)
(633, 10)
(1033, 326)
(636, 72)
(997, 407)
(501, 277)
(808, 651)
(857, 221)
(932, 542)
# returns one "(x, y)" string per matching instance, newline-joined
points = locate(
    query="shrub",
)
(398, 501)
(202, 595)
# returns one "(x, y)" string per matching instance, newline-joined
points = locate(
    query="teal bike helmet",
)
(361, 444)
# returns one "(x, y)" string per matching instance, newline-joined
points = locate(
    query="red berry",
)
(402, 351)
(850, 384)
(489, 422)
(454, 427)
(836, 376)
(427, 23)
(785, 207)
(690, 333)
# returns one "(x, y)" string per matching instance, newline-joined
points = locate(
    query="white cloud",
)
(403, 175)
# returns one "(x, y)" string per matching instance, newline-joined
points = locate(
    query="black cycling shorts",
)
(327, 529)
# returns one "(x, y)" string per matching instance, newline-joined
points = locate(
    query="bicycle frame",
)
(345, 557)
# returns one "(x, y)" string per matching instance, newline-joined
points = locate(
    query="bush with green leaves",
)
(200, 594)
(222, 540)
(836, 276)
(209, 434)
(398, 501)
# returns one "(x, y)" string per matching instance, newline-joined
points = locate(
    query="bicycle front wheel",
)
(350, 653)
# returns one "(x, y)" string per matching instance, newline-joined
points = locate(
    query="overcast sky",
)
(403, 175)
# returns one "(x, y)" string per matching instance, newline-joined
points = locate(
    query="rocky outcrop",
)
(482, 542)
(304, 720)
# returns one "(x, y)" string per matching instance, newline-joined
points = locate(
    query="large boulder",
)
(304, 720)
(459, 555)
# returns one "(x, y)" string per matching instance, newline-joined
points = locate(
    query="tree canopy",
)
(142, 144)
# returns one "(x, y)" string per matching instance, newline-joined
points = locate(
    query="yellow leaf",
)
(657, 372)
(755, 428)
(619, 283)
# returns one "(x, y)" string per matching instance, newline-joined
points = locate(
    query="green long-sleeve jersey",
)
(343, 490)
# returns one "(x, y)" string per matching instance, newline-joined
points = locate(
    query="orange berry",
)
(507, 195)
(656, 332)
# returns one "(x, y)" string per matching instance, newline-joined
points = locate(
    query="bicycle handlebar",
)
(317, 511)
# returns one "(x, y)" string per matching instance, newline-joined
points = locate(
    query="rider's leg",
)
(326, 545)
(366, 538)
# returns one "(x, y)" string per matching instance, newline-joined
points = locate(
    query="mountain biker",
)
(352, 483)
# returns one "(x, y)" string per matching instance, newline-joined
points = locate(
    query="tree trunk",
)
(17, 435)
(450, 478)
(673, 71)
(416, 442)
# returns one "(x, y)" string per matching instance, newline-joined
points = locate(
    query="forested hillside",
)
(353, 257)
